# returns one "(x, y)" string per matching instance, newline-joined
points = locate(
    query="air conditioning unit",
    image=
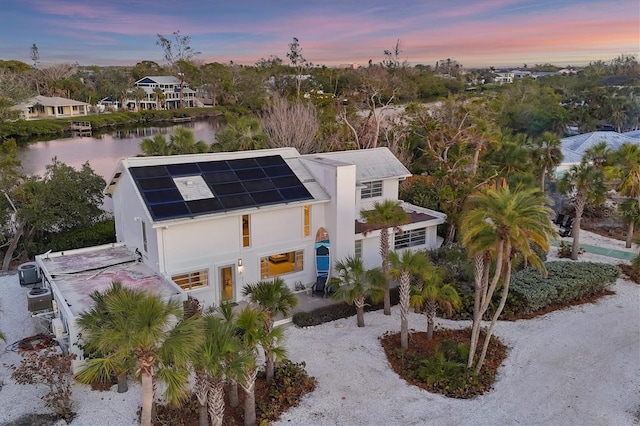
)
(29, 274)
(57, 328)
(39, 299)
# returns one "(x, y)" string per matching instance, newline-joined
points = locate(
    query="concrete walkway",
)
(603, 251)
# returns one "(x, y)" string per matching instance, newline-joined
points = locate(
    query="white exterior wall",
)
(131, 214)
(215, 243)
(389, 192)
(339, 181)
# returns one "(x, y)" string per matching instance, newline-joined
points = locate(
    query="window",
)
(306, 227)
(246, 234)
(144, 235)
(372, 189)
(281, 263)
(191, 280)
(358, 249)
(60, 110)
(74, 108)
(414, 237)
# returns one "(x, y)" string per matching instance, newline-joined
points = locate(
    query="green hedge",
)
(103, 232)
(338, 311)
(566, 281)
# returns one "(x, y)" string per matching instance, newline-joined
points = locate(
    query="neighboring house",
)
(503, 77)
(574, 147)
(40, 107)
(170, 87)
(108, 103)
(215, 222)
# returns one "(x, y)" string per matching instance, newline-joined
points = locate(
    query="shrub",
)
(290, 383)
(103, 232)
(564, 250)
(338, 311)
(52, 369)
(566, 281)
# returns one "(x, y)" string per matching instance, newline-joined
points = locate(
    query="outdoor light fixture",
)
(239, 263)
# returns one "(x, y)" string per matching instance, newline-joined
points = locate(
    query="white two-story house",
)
(171, 88)
(215, 222)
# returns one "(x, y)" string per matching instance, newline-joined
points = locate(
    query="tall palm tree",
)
(354, 284)
(159, 97)
(252, 335)
(432, 294)
(384, 215)
(498, 225)
(402, 267)
(273, 298)
(584, 183)
(625, 170)
(147, 329)
(630, 209)
(547, 155)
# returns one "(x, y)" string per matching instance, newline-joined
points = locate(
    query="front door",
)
(227, 283)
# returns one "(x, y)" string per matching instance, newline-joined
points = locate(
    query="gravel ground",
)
(579, 366)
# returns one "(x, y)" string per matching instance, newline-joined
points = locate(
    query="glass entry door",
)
(227, 283)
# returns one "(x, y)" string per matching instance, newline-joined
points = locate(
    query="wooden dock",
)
(181, 119)
(81, 126)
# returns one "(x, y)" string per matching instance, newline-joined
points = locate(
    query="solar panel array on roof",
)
(234, 184)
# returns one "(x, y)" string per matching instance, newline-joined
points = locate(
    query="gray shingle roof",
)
(574, 147)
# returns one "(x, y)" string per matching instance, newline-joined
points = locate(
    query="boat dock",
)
(181, 119)
(81, 126)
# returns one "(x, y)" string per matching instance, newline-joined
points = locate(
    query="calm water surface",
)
(105, 150)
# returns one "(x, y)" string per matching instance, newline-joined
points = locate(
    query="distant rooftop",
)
(574, 147)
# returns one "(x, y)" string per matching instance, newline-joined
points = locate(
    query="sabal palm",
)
(402, 267)
(625, 169)
(102, 366)
(498, 225)
(583, 182)
(184, 142)
(148, 329)
(274, 298)
(155, 146)
(433, 294)
(354, 284)
(218, 359)
(252, 335)
(384, 215)
(547, 155)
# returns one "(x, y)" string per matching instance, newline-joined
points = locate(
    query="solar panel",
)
(156, 183)
(234, 184)
(183, 169)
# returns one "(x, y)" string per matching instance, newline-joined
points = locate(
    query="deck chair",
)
(559, 219)
(321, 286)
(567, 228)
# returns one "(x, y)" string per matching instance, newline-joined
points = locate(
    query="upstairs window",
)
(246, 234)
(358, 249)
(372, 189)
(306, 227)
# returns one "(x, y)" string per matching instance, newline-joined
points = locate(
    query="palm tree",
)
(146, 328)
(584, 183)
(183, 142)
(252, 335)
(630, 209)
(498, 225)
(93, 322)
(155, 146)
(159, 97)
(138, 94)
(625, 170)
(547, 155)
(432, 294)
(273, 298)
(402, 267)
(215, 362)
(384, 215)
(354, 284)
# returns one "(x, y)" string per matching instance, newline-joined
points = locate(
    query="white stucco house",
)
(171, 88)
(39, 107)
(215, 222)
(206, 225)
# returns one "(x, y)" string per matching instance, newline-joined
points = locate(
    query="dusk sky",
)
(476, 33)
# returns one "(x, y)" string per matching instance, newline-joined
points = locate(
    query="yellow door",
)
(226, 284)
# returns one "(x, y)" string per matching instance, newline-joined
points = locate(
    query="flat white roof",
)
(78, 273)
